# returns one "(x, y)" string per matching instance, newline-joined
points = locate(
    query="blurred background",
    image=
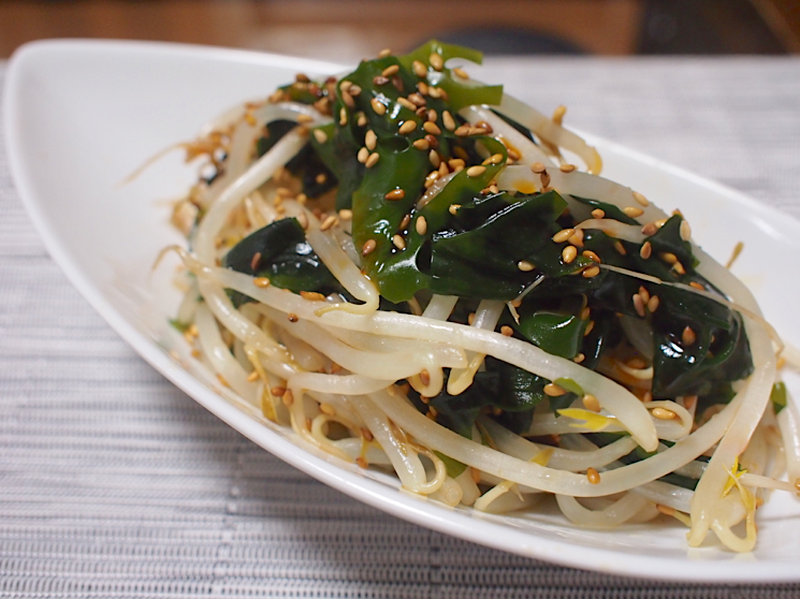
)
(347, 30)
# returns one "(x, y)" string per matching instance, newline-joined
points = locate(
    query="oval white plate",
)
(80, 116)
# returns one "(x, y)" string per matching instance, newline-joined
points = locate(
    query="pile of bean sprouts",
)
(338, 373)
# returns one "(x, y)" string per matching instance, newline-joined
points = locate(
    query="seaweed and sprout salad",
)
(408, 268)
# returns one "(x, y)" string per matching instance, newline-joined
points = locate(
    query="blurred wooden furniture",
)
(343, 30)
(347, 30)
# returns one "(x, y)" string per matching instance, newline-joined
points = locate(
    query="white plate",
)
(81, 115)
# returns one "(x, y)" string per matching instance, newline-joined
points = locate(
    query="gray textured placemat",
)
(115, 484)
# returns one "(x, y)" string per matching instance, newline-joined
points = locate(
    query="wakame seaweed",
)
(476, 242)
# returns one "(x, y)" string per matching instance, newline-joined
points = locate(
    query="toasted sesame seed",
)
(593, 476)
(652, 304)
(668, 257)
(304, 119)
(362, 155)
(407, 127)
(436, 61)
(454, 208)
(420, 70)
(255, 261)
(313, 296)
(591, 403)
(563, 235)
(399, 242)
(525, 266)
(384, 53)
(432, 115)
(696, 285)
(302, 219)
(688, 336)
(406, 104)
(368, 247)
(261, 282)
(598, 213)
(456, 163)
(347, 99)
(553, 390)
(638, 304)
(417, 100)
(568, 254)
(640, 199)
(545, 179)
(685, 230)
(395, 194)
(448, 121)
(379, 80)
(566, 168)
(377, 106)
(585, 313)
(421, 144)
(372, 160)
(421, 225)
(646, 250)
(327, 408)
(320, 136)
(678, 268)
(252, 377)
(321, 178)
(591, 255)
(645, 294)
(292, 317)
(663, 414)
(620, 248)
(462, 131)
(287, 398)
(345, 214)
(362, 119)
(370, 140)
(278, 391)
(459, 72)
(476, 171)
(423, 88)
(390, 70)
(649, 229)
(576, 238)
(589, 328)
(404, 223)
(431, 128)
(328, 222)
(506, 330)
(538, 168)
(425, 377)
(434, 158)
(632, 211)
(590, 272)
(579, 358)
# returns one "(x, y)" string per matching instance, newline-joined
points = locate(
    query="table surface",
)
(115, 484)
